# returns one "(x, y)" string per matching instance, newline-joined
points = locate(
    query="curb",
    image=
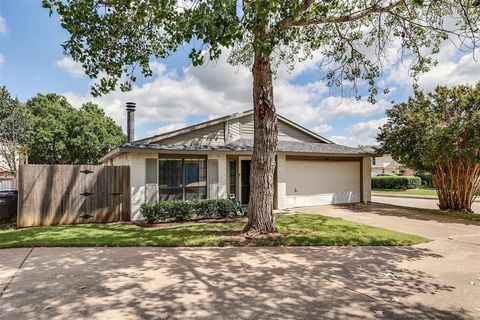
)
(408, 196)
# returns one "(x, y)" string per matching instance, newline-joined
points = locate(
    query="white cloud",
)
(3, 26)
(73, 68)
(453, 68)
(362, 133)
(219, 89)
(323, 128)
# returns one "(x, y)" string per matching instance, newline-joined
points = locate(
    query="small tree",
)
(439, 132)
(13, 124)
(60, 134)
(115, 38)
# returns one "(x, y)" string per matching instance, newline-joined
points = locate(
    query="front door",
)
(245, 167)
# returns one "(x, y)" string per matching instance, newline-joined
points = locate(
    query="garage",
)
(319, 182)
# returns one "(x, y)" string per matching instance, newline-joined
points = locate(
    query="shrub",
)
(394, 182)
(204, 208)
(212, 208)
(154, 212)
(426, 177)
(180, 210)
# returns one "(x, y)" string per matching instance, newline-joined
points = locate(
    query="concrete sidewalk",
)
(436, 280)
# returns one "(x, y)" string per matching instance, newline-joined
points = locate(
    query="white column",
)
(281, 181)
(137, 183)
(222, 175)
(367, 179)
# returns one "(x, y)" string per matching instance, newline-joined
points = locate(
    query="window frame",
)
(183, 187)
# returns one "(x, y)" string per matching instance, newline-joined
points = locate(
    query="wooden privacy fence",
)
(67, 194)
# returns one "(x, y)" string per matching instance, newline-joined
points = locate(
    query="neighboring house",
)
(212, 159)
(387, 165)
(21, 157)
(7, 175)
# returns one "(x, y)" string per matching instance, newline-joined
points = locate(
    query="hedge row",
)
(394, 182)
(180, 210)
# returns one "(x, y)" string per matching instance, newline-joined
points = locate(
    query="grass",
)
(416, 192)
(294, 230)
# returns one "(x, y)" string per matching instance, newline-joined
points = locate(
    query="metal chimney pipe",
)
(131, 121)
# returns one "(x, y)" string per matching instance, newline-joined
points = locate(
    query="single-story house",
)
(385, 164)
(212, 159)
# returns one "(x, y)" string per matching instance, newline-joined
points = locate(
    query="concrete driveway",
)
(416, 203)
(437, 280)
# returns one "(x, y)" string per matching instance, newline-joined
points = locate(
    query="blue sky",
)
(32, 61)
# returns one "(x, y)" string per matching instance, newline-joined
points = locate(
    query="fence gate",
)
(67, 194)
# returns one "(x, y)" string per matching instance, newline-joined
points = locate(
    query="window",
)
(233, 177)
(195, 179)
(374, 161)
(182, 179)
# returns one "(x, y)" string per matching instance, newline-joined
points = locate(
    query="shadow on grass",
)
(295, 230)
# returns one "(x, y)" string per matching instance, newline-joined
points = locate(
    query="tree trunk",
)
(260, 207)
(457, 181)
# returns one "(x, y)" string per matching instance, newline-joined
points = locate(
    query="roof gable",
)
(226, 129)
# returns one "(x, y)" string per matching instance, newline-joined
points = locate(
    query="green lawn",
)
(295, 230)
(417, 192)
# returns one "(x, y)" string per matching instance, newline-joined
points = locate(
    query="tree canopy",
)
(13, 126)
(430, 128)
(59, 133)
(439, 132)
(116, 40)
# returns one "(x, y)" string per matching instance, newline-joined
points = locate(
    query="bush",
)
(394, 182)
(180, 210)
(426, 177)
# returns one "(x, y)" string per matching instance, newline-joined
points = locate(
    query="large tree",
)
(116, 39)
(439, 132)
(13, 125)
(60, 134)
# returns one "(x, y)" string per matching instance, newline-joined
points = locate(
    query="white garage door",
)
(312, 183)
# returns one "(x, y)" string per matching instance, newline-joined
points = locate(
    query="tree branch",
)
(358, 15)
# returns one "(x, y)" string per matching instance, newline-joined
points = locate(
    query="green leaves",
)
(117, 40)
(429, 129)
(59, 133)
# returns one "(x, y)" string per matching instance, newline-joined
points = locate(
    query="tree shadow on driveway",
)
(224, 283)
(411, 213)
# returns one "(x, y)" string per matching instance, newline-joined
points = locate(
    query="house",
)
(387, 165)
(10, 157)
(212, 159)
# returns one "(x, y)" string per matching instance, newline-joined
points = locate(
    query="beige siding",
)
(367, 179)
(286, 132)
(233, 131)
(246, 127)
(211, 135)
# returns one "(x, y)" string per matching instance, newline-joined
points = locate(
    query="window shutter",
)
(151, 180)
(212, 171)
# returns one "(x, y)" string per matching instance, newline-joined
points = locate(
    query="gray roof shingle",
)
(247, 145)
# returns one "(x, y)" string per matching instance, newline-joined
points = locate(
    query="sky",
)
(32, 61)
